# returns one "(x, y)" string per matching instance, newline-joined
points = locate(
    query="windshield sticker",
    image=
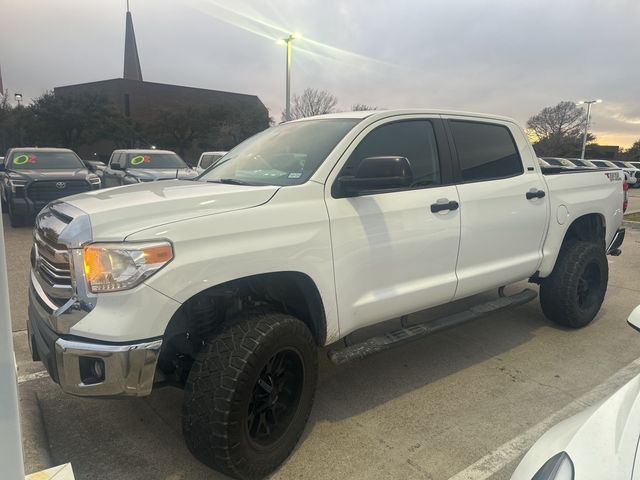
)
(295, 175)
(22, 159)
(140, 159)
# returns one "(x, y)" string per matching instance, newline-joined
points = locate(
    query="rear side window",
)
(413, 139)
(485, 151)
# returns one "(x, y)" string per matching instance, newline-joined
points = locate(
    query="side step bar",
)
(391, 339)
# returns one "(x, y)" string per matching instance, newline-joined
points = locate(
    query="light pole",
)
(588, 103)
(18, 98)
(287, 41)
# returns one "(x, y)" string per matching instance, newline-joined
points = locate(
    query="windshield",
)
(284, 155)
(154, 160)
(620, 164)
(553, 161)
(600, 163)
(578, 162)
(36, 160)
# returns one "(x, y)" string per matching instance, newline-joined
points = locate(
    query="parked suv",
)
(126, 167)
(32, 177)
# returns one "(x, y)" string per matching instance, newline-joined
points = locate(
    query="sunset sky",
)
(499, 56)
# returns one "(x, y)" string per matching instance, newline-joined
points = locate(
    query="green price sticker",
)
(137, 160)
(20, 159)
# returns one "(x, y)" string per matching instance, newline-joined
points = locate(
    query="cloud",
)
(499, 56)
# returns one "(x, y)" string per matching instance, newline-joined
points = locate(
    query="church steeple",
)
(132, 69)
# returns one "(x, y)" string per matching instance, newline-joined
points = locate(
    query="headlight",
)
(558, 467)
(110, 267)
(95, 180)
(16, 184)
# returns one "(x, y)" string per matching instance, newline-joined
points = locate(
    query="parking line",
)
(495, 461)
(32, 376)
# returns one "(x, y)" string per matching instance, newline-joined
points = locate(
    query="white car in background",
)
(207, 159)
(631, 175)
(599, 443)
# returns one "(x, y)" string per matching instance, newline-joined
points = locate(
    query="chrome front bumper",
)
(87, 367)
(127, 370)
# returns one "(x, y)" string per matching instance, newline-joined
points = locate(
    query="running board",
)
(391, 339)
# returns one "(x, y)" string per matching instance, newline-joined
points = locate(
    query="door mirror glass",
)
(378, 173)
(115, 166)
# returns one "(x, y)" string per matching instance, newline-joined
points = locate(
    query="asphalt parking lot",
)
(465, 403)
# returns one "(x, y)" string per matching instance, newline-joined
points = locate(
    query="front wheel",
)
(573, 294)
(249, 394)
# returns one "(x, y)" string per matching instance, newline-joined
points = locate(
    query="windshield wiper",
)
(230, 181)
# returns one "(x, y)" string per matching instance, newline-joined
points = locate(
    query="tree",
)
(564, 119)
(69, 121)
(312, 102)
(362, 107)
(631, 154)
(557, 131)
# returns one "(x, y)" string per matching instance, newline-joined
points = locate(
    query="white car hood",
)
(601, 440)
(118, 212)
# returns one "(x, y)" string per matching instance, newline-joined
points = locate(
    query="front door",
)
(392, 254)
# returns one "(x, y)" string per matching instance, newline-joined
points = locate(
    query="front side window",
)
(284, 155)
(413, 139)
(153, 160)
(485, 151)
(37, 160)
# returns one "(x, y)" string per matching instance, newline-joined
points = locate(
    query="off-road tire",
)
(221, 388)
(563, 296)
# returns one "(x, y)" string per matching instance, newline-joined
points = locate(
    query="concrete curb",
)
(35, 443)
(630, 224)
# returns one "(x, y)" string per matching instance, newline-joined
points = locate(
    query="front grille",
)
(50, 261)
(46, 191)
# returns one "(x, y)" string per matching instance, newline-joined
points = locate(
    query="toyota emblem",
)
(61, 185)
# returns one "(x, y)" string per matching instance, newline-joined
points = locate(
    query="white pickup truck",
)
(228, 286)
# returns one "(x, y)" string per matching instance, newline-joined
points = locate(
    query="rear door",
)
(392, 254)
(503, 204)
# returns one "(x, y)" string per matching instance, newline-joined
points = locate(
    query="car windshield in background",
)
(35, 160)
(620, 164)
(580, 163)
(600, 163)
(284, 155)
(554, 161)
(154, 160)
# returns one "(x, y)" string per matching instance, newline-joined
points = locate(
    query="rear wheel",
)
(573, 294)
(249, 394)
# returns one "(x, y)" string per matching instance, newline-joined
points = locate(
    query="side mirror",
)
(378, 173)
(2, 168)
(634, 318)
(116, 166)
(90, 166)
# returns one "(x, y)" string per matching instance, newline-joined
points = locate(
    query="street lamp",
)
(287, 41)
(18, 98)
(588, 103)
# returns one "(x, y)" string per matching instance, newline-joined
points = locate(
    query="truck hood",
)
(53, 174)
(153, 174)
(118, 212)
